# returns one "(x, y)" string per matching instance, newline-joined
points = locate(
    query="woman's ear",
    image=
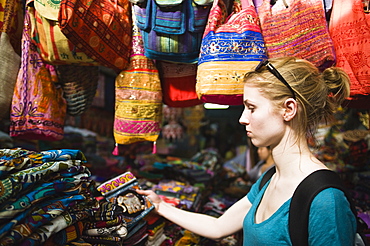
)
(290, 109)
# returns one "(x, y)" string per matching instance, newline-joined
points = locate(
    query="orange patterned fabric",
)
(53, 46)
(350, 30)
(102, 29)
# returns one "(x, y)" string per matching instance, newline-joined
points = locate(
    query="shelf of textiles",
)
(50, 198)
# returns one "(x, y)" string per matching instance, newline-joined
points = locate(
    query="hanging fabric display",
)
(138, 109)
(10, 62)
(172, 29)
(231, 46)
(102, 29)
(38, 108)
(178, 84)
(79, 84)
(350, 30)
(53, 46)
(11, 21)
(297, 28)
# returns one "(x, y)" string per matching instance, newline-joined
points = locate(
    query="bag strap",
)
(303, 197)
(267, 176)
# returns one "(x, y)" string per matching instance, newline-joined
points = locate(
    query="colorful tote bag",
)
(138, 109)
(297, 28)
(178, 84)
(101, 28)
(232, 45)
(172, 29)
(53, 46)
(38, 108)
(350, 30)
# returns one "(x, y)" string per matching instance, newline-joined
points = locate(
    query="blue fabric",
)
(221, 47)
(331, 220)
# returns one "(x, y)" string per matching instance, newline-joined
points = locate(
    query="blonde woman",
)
(284, 99)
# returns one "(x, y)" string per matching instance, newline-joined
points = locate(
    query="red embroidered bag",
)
(101, 28)
(178, 84)
(297, 28)
(350, 30)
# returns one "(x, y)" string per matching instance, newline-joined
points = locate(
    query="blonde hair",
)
(318, 94)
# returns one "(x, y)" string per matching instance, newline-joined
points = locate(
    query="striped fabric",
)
(173, 30)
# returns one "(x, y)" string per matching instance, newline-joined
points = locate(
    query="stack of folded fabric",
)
(155, 229)
(47, 198)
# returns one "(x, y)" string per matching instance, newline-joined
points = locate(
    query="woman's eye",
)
(251, 109)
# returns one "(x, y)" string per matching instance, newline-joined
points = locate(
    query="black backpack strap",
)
(302, 198)
(267, 176)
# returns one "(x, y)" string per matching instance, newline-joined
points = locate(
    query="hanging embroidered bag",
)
(297, 28)
(138, 109)
(172, 29)
(178, 84)
(232, 45)
(100, 28)
(53, 46)
(350, 30)
(38, 107)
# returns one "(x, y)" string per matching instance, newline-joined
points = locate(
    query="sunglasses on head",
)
(276, 73)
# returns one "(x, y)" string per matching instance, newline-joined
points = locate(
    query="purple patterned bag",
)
(38, 108)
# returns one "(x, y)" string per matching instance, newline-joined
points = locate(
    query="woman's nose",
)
(243, 118)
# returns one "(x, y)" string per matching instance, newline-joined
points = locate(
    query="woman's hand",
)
(154, 198)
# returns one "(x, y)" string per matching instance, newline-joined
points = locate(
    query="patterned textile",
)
(66, 186)
(21, 227)
(172, 29)
(231, 46)
(47, 198)
(53, 46)
(26, 179)
(69, 234)
(101, 29)
(349, 28)
(38, 107)
(70, 216)
(299, 29)
(138, 98)
(134, 206)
